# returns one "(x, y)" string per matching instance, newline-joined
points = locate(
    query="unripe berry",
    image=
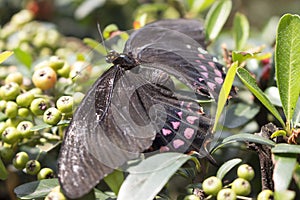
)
(44, 78)
(265, 195)
(39, 106)
(56, 63)
(191, 197)
(55, 194)
(6, 153)
(11, 110)
(24, 129)
(45, 173)
(10, 135)
(241, 187)
(32, 167)
(65, 104)
(52, 116)
(23, 112)
(246, 172)
(226, 194)
(2, 105)
(3, 126)
(25, 99)
(20, 160)
(212, 185)
(16, 77)
(10, 91)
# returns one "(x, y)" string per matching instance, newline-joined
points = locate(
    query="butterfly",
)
(135, 106)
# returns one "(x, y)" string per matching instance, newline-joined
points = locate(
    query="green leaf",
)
(287, 63)
(149, 177)
(3, 171)
(278, 133)
(239, 114)
(40, 127)
(36, 189)
(227, 166)
(4, 55)
(286, 148)
(240, 30)
(286, 195)
(95, 45)
(283, 171)
(114, 180)
(225, 90)
(296, 175)
(246, 137)
(250, 83)
(24, 57)
(101, 195)
(216, 18)
(196, 6)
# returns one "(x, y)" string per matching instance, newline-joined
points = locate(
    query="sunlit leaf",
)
(216, 18)
(287, 62)
(251, 84)
(246, 137)
(114, 180)
(286, 195)
(24, 57)
(227, 166)
(283, 171)
(95, 45)
(278, 133)
(225, 90)
(240, 30)
(4, 55)
(149, 177)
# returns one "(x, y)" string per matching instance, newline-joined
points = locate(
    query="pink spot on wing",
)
(211, 85)
(200, 79)
(178, 143)
(180, 114)
(218, 73)
(181, 103)
(164, 149)
(191, 119)
(166, 132)
(197, 61)
(201, 56)
(212, 64)
(203, 67)
(205, 74)
(175, 125)
(188, 133)
(219, 80)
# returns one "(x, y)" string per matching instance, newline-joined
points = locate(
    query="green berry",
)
(212, 185)
(24, 129)
(36, 91)
(65, 104)
(191, 197)
(6, 153)
(45, 173)
(64, 71)
(241, 187)
(10, 135)
(56, 63)
(226, 194)
(2, 105)
(55, 194)
(32, 167)
(20, 160)
(52, 116)
(39, 106)
(16, 77)
(11, 110)
(265, 195)
(25, 99)
(246, 172)
(44, 78)
(23, 112)
(10, 91)
(3, 126)
(13, 121)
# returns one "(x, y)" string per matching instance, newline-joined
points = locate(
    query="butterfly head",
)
(126, 61)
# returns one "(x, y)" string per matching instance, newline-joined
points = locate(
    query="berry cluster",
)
(240, 187)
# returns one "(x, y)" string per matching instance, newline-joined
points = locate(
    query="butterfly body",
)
(134, 106)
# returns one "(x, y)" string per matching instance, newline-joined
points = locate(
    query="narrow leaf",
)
(286, 148)
(36, 189)
(227, 166)
(296, 175)
(24, 57)
(3, 171)
(95, 45)
(115, 180)
(287, 63)
(4, 55)
(216, 18)
(278, 133)
(149, 177)
(240, 30)
(250, 83)
(246, 137)
(225, 90)
(40, 127)
(283, 171)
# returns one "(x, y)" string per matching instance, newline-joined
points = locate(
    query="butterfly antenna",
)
(101, 37)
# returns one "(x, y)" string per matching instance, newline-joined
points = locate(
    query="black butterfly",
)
(135, 107)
